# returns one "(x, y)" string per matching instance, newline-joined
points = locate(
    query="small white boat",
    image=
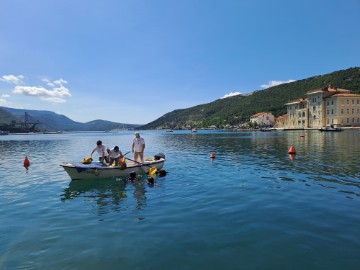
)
(99, 170)
(194, 130)
(330, 128)
(266, 129)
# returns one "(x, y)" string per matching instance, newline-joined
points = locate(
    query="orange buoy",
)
(292, 150)
(26, 162)
(212, 155)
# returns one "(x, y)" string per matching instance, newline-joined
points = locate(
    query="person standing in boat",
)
(138, 147)
(102, 151)
(115, 155)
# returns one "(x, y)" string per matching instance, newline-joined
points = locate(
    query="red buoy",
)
(212, 155)
(292, 150)
(26, 162)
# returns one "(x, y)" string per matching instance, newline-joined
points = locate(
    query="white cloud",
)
(49, 83)
(57, 94)
(53, 99)
(5, 96)
(60, 82)
(12, 79)
(231, 94)
(275, 83)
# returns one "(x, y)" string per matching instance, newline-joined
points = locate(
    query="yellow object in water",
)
(152, 170)
(87, 160)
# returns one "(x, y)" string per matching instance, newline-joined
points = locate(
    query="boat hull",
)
(97, 170)
(331, 129)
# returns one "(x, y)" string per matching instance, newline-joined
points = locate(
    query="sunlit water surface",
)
(252, 207)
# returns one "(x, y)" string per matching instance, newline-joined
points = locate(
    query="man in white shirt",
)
(138, 147)
(102, 151)
(115, 155)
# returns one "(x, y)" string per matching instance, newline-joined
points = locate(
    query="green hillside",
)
(238, 109)
(6, 118)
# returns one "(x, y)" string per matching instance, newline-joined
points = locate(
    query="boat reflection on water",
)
(109, 194)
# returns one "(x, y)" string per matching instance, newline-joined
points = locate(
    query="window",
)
(348, 111)
(342, 111)
(332, 102)
(332, 111)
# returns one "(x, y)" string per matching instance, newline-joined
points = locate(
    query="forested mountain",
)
(14, 119)
(238, 109)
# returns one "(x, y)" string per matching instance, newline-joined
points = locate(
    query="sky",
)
(132, 61)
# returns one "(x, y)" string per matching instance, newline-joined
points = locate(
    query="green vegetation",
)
(238, 109)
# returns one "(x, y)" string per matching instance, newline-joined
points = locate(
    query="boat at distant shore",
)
(266, 129)
(2, 132)
(330, 128)
(53, 132)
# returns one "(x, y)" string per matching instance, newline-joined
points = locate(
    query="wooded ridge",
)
(238, 109)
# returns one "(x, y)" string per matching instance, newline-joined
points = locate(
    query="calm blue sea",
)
(252, 207)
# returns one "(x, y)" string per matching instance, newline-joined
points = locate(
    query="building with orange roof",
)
(263, 119)
(281, 121)
(324, 106)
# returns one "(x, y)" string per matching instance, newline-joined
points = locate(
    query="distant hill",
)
(238, 109)
(50, 121)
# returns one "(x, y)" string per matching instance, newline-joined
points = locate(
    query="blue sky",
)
(131, 61)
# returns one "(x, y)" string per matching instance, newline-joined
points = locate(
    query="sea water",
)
(252, 207)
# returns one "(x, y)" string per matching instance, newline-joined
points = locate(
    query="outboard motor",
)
(159, 156)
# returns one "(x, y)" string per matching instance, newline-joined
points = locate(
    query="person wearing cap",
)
(138, 147)
(102, 151)
(115, 155)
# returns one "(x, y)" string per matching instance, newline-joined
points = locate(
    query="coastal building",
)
(263, 119)
(281, 121)
(324, 106)
(297, 113)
